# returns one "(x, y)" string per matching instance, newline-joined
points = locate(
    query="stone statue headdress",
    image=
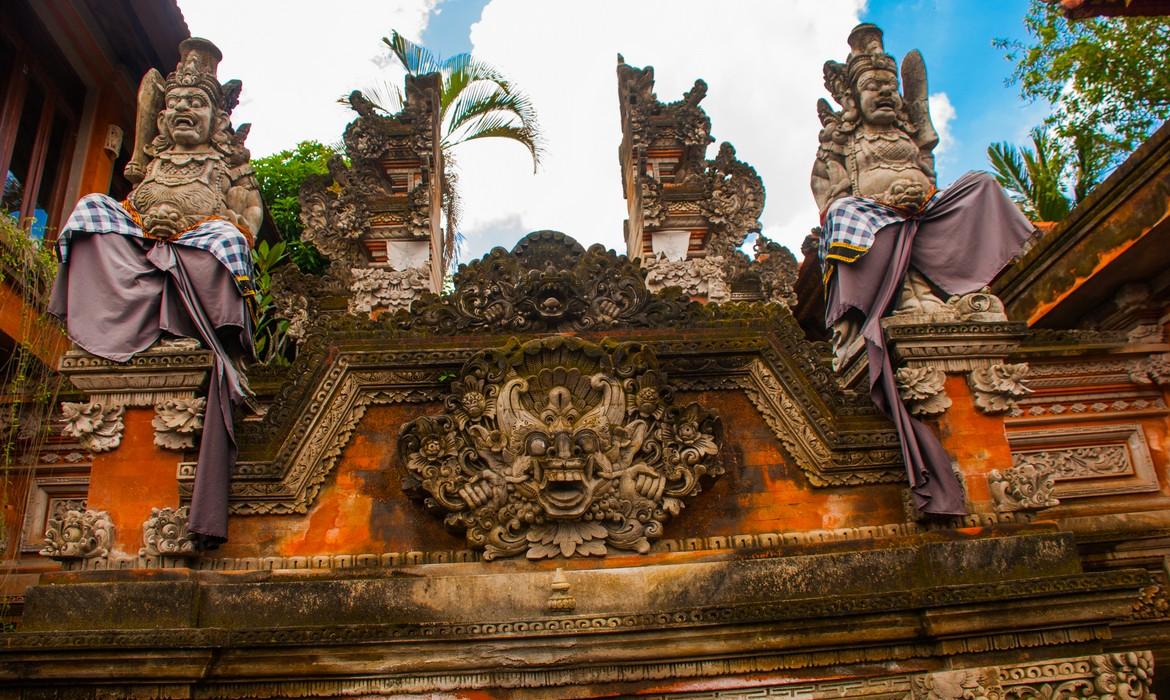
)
(197, 67)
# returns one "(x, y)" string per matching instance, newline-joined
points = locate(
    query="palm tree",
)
(1036, 178)
(477, 102)
(1032, 176)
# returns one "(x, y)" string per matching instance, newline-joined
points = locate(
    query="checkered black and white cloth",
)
(99, 213)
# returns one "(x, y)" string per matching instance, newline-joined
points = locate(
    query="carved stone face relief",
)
(559, 446)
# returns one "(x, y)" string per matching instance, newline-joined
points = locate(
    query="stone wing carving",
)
(560, 447)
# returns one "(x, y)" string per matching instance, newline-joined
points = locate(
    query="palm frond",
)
(416, 59)
(1008, 167)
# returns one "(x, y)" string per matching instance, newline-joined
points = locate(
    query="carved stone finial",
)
(1023, 487)
(165, 534)
(997, 387)
(176, 421)
(923, 390)
(560, 447)
(78, 534)
(561, 599)
(98, 429)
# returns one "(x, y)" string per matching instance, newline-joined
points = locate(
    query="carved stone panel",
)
(1089, 461)
(78, 534)
(96, 427)
(561, 447)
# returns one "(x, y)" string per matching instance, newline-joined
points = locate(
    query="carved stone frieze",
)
(923, 389)
(561, 447)
(1023, 487)
(695, 277)
(1128, 675)
(1151, 369)
(164, 371)
(959, 346)
(547, 283)
(164, 534)
(1089, 461)
(385, 289)
(78, 534)
(734, 204)
(1152, 604)
(176, 421)
(97, 428)
(997, 387)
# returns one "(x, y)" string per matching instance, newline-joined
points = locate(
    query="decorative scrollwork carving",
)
(97, 428)
(176, 421)
(1023, 487)
(548, 283)
(165, 534)
(997, 387)
(561, 447)
(923, 390)
(78, 534)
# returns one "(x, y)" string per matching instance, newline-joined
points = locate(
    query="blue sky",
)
(954, 37)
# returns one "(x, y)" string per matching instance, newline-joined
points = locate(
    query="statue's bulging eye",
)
(537, 445)
(586, 443)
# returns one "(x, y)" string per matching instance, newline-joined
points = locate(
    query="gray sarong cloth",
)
(960, 243)
(118, 294)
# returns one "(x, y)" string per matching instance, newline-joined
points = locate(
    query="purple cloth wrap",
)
(118, 294)
(960, 242)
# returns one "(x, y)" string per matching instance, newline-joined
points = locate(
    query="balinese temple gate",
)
(579, 473)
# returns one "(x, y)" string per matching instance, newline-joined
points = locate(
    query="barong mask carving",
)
(189, 165)
(560, 446)
(880, 145)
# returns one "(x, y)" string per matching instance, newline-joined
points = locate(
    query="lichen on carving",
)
(560, 447)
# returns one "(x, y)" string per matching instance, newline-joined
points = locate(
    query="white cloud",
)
(762, 61)
(296, 57)
(941, 113)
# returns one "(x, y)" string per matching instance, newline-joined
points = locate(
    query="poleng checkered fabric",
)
(99, 213)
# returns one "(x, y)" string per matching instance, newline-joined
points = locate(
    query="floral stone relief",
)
(97, 428)
(560, 447)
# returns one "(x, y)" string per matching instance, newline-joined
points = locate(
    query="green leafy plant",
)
(271, 332)
(280, 176)
(1104, 76)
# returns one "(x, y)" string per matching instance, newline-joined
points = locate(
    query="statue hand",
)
(643, 481)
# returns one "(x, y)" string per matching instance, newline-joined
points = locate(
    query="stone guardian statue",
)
(174, 259)
(891, 242)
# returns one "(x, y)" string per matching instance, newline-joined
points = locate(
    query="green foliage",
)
(280, 176)
(27, 268)
(271, 333)
(477, 102)
(1105, 76)
(1050, 178)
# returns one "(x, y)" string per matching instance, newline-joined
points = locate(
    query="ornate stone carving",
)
(560, 447)
(734, 204)
(695, 277)
(1101, 460)
(188, 162)
(1124, 676)
(547, 283)
(176, 421)
(390, 290)
(1151, 369)
(160, 373)
(965, 684)
(78, 534)
(1152, 604)
(386, 194)
(923, 390)
(97, 428)
(1023, 487)
(164, 534)
(880, 145)
(561, 599)
(997, 387)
